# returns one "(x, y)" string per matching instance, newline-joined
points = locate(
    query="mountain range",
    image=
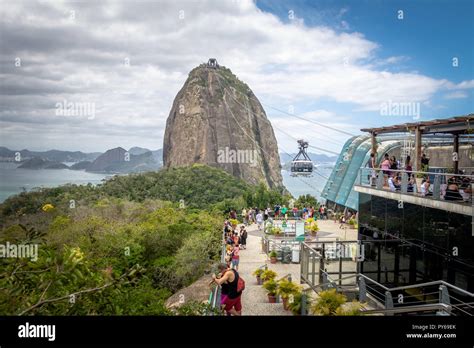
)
(117, 160)
(113, 160)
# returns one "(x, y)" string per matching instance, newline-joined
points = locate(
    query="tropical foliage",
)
(119, 248)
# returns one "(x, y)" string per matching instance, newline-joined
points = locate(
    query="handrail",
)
(287, 276)
(410, 309)
(214, 296)
(362, 283)
(435, 282)
(419, 172)
(412, 286)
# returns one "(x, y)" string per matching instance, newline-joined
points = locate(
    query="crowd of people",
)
(235, 239)
(456, 188)
(280, 212)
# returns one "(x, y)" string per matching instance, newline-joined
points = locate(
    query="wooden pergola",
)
(455, 126)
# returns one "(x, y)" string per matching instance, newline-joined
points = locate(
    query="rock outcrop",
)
(217, 120)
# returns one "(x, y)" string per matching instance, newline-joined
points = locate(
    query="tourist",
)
(229, 282)
(243, 238)
(393, 164)
(408, 166)
(244, 216)
(452, 193)
(425, 161)
(236, 238)
(230, 239)
(385, 166)
(233, 214)
(235, 257)
(393, 183)
(425, 187)
(228, 255)
(342, 221)
(266, 213)
(372, 165)
(295, 212)
(411, 184)
(305, 213)
(277, 211)
(260, 220)
(284, 210)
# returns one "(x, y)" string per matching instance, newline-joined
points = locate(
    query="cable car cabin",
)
(301, 167)
(302, 164)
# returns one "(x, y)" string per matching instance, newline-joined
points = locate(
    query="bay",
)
(14, 180)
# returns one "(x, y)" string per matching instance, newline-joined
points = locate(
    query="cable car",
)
(302, 164)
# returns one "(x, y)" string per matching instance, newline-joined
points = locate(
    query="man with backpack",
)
(232, 286)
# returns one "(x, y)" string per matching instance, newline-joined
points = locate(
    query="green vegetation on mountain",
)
(120, 248)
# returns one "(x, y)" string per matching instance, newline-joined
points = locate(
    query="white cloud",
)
(84, 60)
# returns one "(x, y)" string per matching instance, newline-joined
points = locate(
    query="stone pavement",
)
(254, 297)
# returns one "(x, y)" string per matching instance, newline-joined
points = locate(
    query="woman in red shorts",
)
(228, 282)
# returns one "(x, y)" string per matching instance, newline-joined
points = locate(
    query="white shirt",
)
(391, 184)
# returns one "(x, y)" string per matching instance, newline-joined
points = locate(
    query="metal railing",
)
(392, 300)
(450, 187)
(215, 295)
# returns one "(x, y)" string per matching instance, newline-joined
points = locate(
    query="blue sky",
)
(335, 63)
(430, 34)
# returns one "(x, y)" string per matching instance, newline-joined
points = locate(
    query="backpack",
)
(240, 284)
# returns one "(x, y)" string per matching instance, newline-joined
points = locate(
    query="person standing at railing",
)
(385, 166)
(231, 296)
(260, 220)
(372, 165)
(244, 216)
(243, 238)
(235, 257)
(425, 187)
(295, 212)
(408, 166)
(284, 210)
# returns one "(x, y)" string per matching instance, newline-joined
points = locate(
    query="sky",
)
(321, 69)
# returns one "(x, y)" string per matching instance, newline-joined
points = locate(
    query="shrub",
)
(271, 286)
(268, 275)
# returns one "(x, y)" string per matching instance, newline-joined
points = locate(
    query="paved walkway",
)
(254, 298)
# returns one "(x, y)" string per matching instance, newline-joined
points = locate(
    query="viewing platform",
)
(405, 188)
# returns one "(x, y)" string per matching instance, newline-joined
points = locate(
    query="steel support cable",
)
(252, 139)
(321, 149)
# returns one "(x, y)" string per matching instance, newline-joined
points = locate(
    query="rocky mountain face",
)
(217, 120)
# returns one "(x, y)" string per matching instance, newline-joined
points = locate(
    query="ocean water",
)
(312, 185)
(14, 180)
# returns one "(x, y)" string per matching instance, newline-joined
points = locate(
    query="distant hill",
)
(52, 155)
(119, 160)
(39, 163)
(81, 165)
(112, 161)
(138, 150)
